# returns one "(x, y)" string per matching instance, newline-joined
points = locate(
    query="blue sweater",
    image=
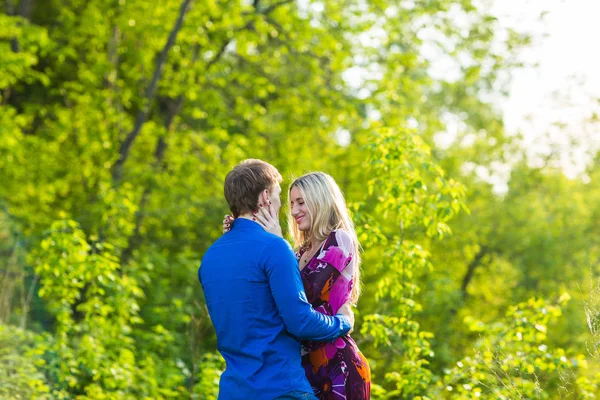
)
(257, 304)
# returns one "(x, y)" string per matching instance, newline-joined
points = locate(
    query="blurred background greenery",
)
(120, 118)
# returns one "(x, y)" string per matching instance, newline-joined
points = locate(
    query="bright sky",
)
(566, 84)
(563, 87)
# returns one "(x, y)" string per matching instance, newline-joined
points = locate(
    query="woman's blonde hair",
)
(327, 210)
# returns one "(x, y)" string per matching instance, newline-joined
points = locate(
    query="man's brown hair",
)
(244, 183)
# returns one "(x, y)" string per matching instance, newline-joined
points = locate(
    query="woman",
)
(328, 256)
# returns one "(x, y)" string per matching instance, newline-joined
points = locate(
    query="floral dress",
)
(336, 370)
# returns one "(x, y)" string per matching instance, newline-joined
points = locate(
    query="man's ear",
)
(265, 196)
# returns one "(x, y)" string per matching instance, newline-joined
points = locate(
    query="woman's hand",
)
(227, 221)
(268, 219)
(346, 311)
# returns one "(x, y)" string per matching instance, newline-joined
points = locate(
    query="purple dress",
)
(335, 370)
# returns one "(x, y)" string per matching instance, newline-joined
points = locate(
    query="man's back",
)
(263, 358)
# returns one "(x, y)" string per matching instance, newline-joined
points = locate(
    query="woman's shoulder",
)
(338, 249)
(340, 238)
(341, 234)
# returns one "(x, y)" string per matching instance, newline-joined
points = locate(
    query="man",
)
(256, 299)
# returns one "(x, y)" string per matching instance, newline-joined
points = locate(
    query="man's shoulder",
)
(277, 242)
(217, 250)
(214, 247)
(257, 242)
(278, 252)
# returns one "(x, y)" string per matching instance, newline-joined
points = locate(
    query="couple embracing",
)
(282, 318)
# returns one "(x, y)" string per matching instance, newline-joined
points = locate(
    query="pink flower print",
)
(332, 348)
(340, 292)
(336, 257)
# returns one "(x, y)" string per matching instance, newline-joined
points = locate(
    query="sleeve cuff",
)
(344, 324)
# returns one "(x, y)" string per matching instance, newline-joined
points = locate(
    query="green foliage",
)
(408, 189)
(209, 371)
(512, 359)
(96, 309)
(22, 364)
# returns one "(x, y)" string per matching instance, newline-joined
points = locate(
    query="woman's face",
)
(299, 210)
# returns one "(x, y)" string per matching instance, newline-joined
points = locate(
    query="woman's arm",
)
(339, 255)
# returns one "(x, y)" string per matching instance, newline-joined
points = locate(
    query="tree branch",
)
(25, 12)
(161, 146)
(275, 6)
(218, 55)
(471, 270)
(159, 153)
(141, 117)
(25, 9)
(27, 302)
